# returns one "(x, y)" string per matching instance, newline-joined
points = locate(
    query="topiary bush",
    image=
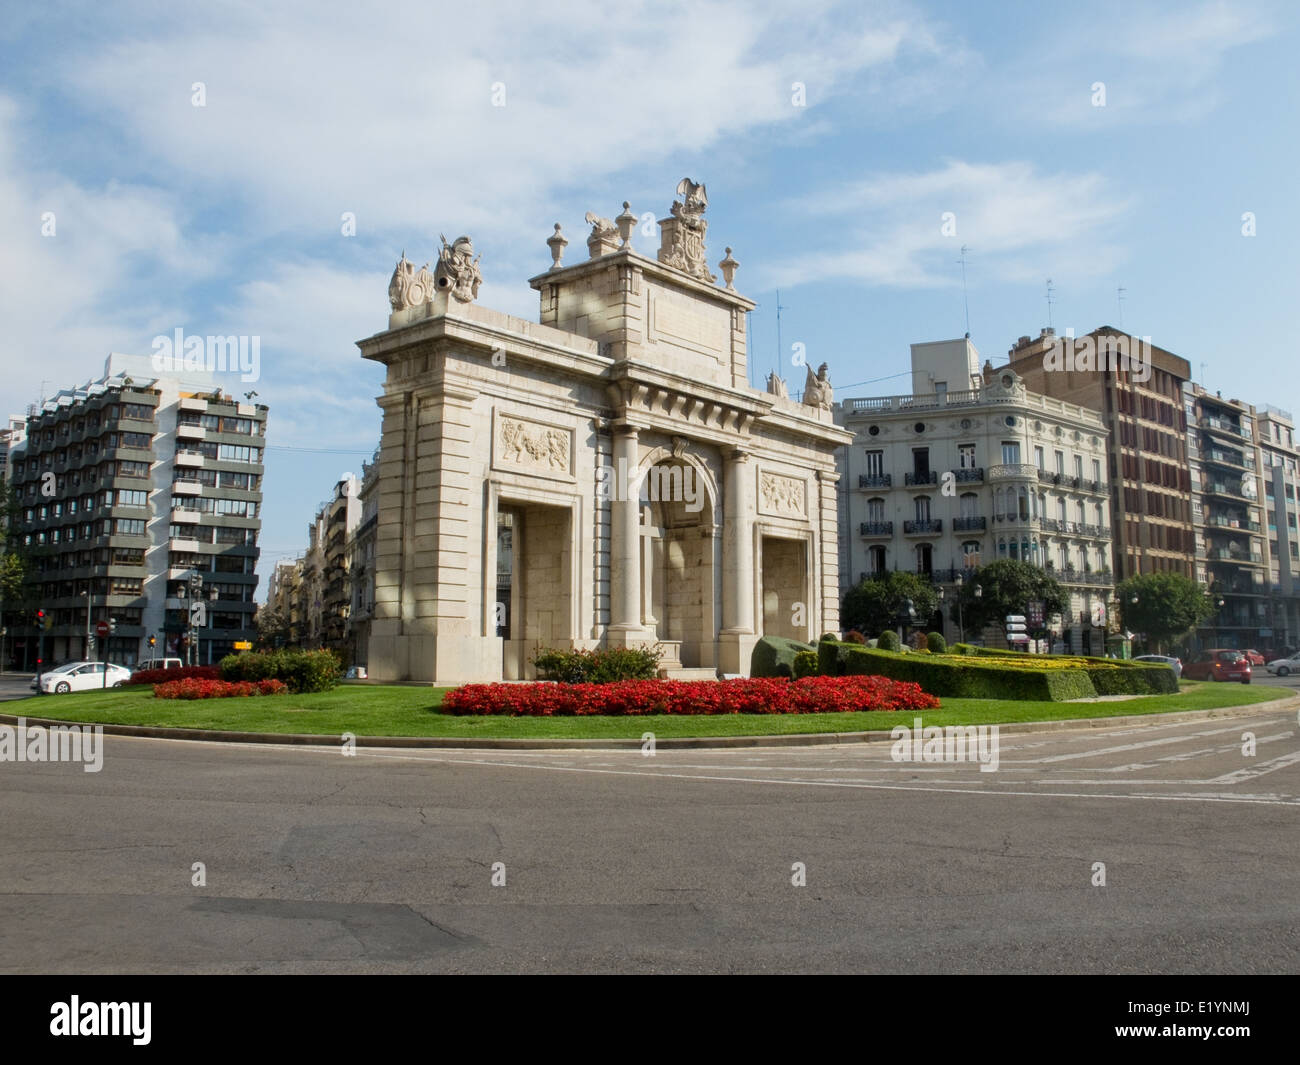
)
(602, 666)
(301, 670)
(773, 656)
(828, 636)
(887, 641)
(966, 678)
(805, 664)
(853, 636)
(936, 644)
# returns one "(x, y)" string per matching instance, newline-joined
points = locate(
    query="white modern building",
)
(972, 467)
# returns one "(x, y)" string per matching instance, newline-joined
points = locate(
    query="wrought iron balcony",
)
(915, 480)
(1012, 469)
(969, 524)
(969, 475)
(919, 527)
(877, 528)
(875, 480)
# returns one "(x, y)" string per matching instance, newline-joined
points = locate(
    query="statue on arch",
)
(817, 388)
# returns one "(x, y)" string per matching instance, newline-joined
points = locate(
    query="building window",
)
(875, 463)
(970, 554)
(875, 510)
(966, 456)
(1038, 457)
(1060, 462)
(922, 508)
(924, 553)
(876, 560)
(1096, 469)
(970, 505)
(1010, 452)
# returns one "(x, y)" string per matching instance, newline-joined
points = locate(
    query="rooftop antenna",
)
(1203, 365)
(44, 382)
(1119, 298)
(964, 300)
(776, 368)
(1049, 303)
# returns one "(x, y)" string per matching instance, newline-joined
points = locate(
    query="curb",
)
(813, 739)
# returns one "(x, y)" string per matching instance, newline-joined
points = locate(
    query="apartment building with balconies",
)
(1235, 553)
(1280, 472)
(361, 564)
(944, 480)
(130, 484)
(1136, 387)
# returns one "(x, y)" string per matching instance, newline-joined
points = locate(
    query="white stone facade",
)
(606, 477)
(942, 481)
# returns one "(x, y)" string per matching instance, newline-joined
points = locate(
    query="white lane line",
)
(659, 775)
(1121, 748)
(1223, 749)
(1258, 770)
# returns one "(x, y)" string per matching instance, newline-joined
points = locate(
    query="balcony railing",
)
(877, 528)
(1012, 469)
(969, 524)
(969, 475)
(920, 479)
(1218, 426)
(875, 480)
(921, 527)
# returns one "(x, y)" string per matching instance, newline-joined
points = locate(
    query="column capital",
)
(738, 455)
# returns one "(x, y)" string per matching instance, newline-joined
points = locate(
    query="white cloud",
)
(1016, 219)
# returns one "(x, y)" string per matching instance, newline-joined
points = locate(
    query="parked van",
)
(159, 663)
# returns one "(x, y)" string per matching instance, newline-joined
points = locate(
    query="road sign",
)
(243, 645)
(101, 628)
(90, 643)
(198, 614)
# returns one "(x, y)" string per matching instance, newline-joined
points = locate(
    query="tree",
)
(272, 629)
(873, 605)
(1168, 605)
(1008, 586)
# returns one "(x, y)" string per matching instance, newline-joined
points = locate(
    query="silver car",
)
(1285, 666)
(1176, 664)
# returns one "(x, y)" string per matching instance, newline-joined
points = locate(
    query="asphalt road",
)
(680, 862)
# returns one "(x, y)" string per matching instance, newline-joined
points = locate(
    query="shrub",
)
(965, 678)
(936, 644)
(200, 688)
(887, 640)
(773, 656)
(602, 666)
(161, 676)
(302, 671)
(1109, 676)
(741, 695)
(805, 664)
(853, 636)
(825, 636)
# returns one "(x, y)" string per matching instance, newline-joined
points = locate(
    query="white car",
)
(80, 676)
(1284, 666)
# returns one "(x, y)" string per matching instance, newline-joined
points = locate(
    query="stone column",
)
(738, 546)
(625, 536)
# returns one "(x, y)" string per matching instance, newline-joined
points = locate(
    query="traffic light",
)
(112, 625)
(153, 642)
(40, 619)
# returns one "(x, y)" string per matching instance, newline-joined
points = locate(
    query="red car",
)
(1218, 663)
(1254, 657)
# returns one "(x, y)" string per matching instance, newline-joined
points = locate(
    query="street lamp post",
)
(906, 617)
(961, 628)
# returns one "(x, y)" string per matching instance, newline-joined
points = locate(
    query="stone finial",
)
(817, 388)
(626, 223)
(681, 237)
(457, 271)
(557, 243)
(728, 267)
(775, 384)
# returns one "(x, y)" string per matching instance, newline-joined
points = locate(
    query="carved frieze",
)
(781, 495)
(522, 444)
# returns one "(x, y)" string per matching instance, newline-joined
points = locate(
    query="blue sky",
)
(226, 218)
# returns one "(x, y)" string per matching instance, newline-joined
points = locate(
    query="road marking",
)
(1257, 770)
(662, 774)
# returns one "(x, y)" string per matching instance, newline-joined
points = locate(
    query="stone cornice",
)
(650, 267)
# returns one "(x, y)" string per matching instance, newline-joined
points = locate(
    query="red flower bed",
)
(753, 695)
(201, 688)
(162, 676)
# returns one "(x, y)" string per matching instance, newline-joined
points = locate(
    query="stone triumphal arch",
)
(604, 477)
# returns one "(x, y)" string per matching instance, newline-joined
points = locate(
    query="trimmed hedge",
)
(888, 640)
(1110, 676)
(945, 675)
(936, 644)
(773, 656)
(302, 671)
(605, 665)
(805, 664)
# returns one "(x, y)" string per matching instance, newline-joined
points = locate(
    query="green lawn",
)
(373, 710)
